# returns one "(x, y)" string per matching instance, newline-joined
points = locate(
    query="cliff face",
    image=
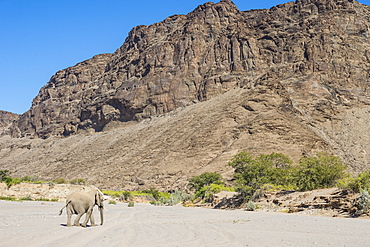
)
(319, 44)
(6, 120)
(297, 75)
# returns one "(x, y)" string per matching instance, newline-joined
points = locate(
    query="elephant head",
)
(99, 197)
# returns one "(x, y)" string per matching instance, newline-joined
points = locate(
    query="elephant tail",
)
(61, 211)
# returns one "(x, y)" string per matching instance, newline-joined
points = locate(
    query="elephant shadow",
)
(65, 225)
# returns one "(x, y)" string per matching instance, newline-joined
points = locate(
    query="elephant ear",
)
(99, 198)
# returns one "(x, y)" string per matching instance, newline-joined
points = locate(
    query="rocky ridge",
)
(6, 120)
(184, 95)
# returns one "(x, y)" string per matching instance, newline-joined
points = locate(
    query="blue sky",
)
(38, 38)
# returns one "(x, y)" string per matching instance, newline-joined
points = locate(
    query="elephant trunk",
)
(101, 215)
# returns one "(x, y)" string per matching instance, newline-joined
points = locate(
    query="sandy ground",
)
(39, 224)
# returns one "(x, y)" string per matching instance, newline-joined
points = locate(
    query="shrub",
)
(251, 173)
(206, 192)
(322, 171)
(276, 170)
(155, 193)
(27, 198)
(45, 199)
(112, 202)
(31, 179)
(180, 196)
(362, 181)
(175, 198)
(126, 195)
(11, 181)
(206, 178)
(7, 198)
(4, 174)
(60, 181)
(79, 181)
(251, 206)
(363, 202)
(131, 204)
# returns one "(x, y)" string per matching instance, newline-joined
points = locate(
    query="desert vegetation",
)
(5, 176)
(152, 195)
(253, 173)
(253, 176)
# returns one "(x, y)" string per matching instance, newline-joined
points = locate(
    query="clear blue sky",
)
(38, 38)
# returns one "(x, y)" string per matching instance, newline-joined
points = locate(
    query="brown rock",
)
(6, 121)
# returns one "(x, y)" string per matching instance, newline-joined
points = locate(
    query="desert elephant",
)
(80, 203)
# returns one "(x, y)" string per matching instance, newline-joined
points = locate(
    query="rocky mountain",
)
(6, 120)
(182, 96)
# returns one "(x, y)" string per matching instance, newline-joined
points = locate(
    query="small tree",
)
(206, 178)
(11, 181)
(322, 171)
(4, 174)
(253, 172)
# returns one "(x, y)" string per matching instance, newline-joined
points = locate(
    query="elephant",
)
(83, 202)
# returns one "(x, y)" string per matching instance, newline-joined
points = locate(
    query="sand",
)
(39, 224)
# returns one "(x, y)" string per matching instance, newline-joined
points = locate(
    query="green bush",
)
(175, 198)
(4, 174)
(31, 179)
(253, 172)
(112, 202)
(126, 195)
(362, 181)
(322, 171)
(60, 181)
(79, 181)
(206, 178)
(8, 198)
(206, 192)
(153, 192)
(131, 204)
(27, 198)
(11, 181)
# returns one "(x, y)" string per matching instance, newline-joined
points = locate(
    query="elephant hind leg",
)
(69, 218)
(77, 220)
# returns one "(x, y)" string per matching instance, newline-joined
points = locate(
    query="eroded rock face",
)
(317, 50)
(6, 120)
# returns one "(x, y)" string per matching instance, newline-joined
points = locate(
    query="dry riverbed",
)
(31, 223)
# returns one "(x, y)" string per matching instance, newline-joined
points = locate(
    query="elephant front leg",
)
(88, 216)
(92, 221)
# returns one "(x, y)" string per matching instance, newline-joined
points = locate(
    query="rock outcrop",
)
(7, 119)
(293, 78)
(315, 50)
